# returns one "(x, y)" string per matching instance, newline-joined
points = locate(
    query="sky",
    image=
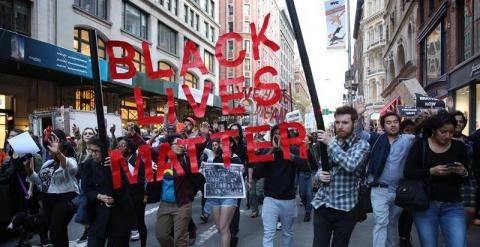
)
(328, 66)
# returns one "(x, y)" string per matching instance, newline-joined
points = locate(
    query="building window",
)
(206, 6)
(165, 66)
(206, 29)
(15, 15)
(247, 65)
(94, 7)
(191, 55)
(230, 26)
(192, 20)
(247, 82)
(433, 50)
(167, 38)
(477, 122)
(230, 9)
(462, 99)
(129, 111)
(431, 6)
(470, 29)
(169, 4)
(175, 7)
(230, 45)
(191, 80)
(185, 7)
(84, 99)
(246, 10)
(138, 60)
(212, 8)
(247, 47)
(81, 43)
(135, 21)
(212, 34)
(209, 62)
(246, 26)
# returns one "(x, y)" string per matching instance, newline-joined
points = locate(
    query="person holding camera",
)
(57, 182)
(441, 162)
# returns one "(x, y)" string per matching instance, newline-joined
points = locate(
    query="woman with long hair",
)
(223, 208)
(81, 150)
(441, 162)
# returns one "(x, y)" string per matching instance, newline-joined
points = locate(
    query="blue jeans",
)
(451, 218)
(306, 190)
(286, 211)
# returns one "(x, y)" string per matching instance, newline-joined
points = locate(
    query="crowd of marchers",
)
(367, 171)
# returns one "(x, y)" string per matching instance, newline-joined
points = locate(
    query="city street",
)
(251, 231)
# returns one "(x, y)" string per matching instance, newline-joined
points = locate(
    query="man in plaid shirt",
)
(335, 201)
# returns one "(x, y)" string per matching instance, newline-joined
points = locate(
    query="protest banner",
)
(428, 102)
(23, 144)
(408, 111)
(222, 182)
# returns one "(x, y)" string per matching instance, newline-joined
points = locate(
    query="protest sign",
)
(23, 144)
(408, 111)
(221, 182)
(428, 102)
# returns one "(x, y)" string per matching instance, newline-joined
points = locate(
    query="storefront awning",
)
(390, 106)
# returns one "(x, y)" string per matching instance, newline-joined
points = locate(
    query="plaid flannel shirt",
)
(346, 160)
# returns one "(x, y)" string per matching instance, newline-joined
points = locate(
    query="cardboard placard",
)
(219, 50)
(197, 62)
(126, 61)
(261, 38)
(223, 182)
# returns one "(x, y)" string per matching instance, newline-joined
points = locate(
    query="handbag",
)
(414, 194)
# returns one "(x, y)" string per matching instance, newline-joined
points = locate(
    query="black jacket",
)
(117, 219)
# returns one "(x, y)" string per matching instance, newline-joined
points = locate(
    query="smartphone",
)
(449, 165)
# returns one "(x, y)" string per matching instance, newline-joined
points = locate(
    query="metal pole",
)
(317, 110)
(97, 87)
(349, 52)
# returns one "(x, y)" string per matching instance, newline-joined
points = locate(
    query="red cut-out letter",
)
(192, 151)
(145, 155)
(165, 151)
(198, 110)
(277, 93)
(171, 106)
(252, 146)
(117, 162)
(142, 120)
(225, 142)
(261, 38)
(219, 53)
(225, 97)
(148, 63)
(299, 140)
(114, 61)
(197, 62)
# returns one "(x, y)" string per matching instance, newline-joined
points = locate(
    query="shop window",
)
(138, 60)
(15, 15)
(94, 7)
(462, 97)
(135, 20)
(129, 111)
(167, 38)
(81, 43)
(433, 55)
(191, 80)
(165, 66)
(209, 62)
(84, 99)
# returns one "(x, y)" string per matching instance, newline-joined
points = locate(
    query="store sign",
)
(30, 51)
(408, 111)
(428, 102)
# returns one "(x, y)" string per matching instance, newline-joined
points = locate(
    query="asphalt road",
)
(251, 231)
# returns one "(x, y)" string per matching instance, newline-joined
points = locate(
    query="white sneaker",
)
(279, 226)
(134, 235)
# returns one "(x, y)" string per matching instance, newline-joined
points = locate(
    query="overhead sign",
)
(428, 102)
(336, 24)
(408, 111)
(221, 182)
(34, 52)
